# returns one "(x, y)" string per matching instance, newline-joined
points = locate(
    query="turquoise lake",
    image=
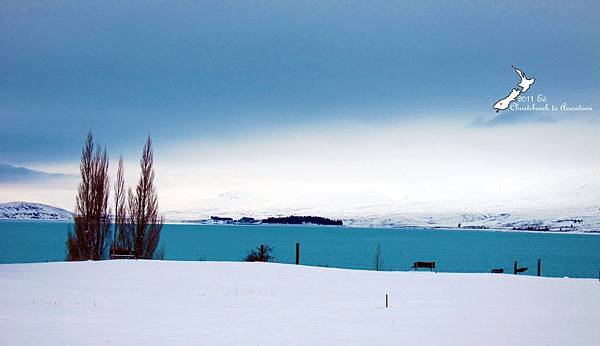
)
(573, 255)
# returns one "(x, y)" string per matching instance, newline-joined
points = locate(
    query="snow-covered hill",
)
(578, 220)
(392, 216)
(572, 205)
(32, 211)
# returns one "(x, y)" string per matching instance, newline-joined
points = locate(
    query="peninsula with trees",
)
(285, 220)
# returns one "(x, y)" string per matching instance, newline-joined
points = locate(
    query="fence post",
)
(297, 253)
(386, 300)
(539, 273)
(515, 267)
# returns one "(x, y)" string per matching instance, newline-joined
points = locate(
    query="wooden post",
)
(297, 253)
(515, 267)
(386, 300)
(539, 267)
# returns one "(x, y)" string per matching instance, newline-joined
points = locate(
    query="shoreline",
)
(351, 226)
(385, 227)
(384, 271)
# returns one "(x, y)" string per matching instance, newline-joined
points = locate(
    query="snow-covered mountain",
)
(578, 220)
(569, 205)
(32, 211)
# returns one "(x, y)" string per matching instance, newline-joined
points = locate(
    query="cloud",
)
(16, 174)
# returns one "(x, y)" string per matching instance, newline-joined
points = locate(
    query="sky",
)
(265, 104)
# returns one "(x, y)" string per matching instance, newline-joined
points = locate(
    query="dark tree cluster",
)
(299, 220)
(260, 254)
(230, 221)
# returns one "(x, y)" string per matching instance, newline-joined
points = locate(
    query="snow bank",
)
(193, 303)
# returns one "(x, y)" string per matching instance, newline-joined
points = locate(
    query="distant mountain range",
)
(580, 220)
(32, 211)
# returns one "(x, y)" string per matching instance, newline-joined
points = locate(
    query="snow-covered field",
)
(208, 303)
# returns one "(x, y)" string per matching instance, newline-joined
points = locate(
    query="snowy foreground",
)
(194, 303)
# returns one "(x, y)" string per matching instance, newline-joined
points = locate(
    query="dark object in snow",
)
(518, 270)
(430, 265)
(497, 270)
(121, 253)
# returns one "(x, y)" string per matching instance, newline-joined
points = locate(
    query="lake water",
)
(573, 255)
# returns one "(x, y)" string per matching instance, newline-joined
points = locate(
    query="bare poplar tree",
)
(90, 234)
(143, 209)
(121, 243)
(378, 259)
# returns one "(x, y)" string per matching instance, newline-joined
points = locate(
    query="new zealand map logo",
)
(522, 87)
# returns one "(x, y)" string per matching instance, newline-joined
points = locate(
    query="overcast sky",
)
(391, 100)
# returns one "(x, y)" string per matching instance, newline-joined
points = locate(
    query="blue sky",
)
(219, 73)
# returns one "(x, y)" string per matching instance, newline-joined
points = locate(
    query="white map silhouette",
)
(523, 85)
(503, 104)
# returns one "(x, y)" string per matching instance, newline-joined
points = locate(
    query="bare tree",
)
(90, 234)
(263, 253)
(121, 242)
(378, 259)
(160, 253)
(143, 209)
